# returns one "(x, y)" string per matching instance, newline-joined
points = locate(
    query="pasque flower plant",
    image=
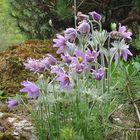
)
(67, 98)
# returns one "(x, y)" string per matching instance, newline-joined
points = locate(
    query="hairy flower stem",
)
(46, 114)
(75, 12)
(108, 76)
(77, 100)
(103, 80)
(57, 114)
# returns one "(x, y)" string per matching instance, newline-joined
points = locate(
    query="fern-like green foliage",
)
(34, 17)
(10, 34)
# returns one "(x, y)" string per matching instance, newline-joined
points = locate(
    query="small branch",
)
(122, 128)
(75, 12)
(130, 19)
(121, 6)
(132, 100)
(80, 3)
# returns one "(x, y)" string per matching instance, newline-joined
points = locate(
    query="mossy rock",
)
(12, 71)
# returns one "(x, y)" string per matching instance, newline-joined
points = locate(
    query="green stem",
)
(75, 11)
(103, 80)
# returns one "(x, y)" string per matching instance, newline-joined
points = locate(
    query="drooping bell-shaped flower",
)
(125, 52)
(98, 74)
(31, 89)
(80, 16)
(84, 27)
(70, 34)
(57, 70)
(120, 49)
(95, 16)
(12, 103)
(66, 58)
(79, 67)
(90, 55)
(31, 64)
(51, 60)
(64, 81)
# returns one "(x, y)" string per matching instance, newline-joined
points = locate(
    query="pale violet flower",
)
(84, 27)
(124, 33)
(30, 88)
(64, 81)
(90, 55)
(70, 34)
(66, 58)
(95, 16)
(79, 67)
(12, 103)
(51, 60)
(81, 16)
(35, 65)
(60, 43)
(98, 74)
(120, 49)
(79, 57)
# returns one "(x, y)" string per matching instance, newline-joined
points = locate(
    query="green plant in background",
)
(137, 4)
(136, 42)
(40, 19)
(10, 34)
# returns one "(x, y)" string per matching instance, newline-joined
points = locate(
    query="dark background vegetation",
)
(41, 19)
(34, 16)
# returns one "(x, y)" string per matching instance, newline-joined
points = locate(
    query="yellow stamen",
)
(80, 59)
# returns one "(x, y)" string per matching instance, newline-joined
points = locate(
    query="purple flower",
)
(125, 52)
(66, 58)
(120, 50)
(32, 65)
(31, 89)
(60, 43)
(90, 55)
(70, 34)
(64, 81)
(51, 59)
(57, 70)
(79, 67)
(98, 74)
(47, 64)
(123, 32)
(81, 16)
(39, 65)
(12, 103)
(95, 16)
(84, 27)
(80, 57)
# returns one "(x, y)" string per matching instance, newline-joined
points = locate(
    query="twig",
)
(133, 102)
(75, 12)
(122, 128)
(80, 3)
(121, 6)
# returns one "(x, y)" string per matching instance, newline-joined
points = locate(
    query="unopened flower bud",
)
(113, 26)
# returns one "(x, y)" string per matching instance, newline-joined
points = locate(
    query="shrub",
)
(34, 17)
(10, 34)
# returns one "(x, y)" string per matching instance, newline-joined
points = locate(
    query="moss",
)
(12, 71)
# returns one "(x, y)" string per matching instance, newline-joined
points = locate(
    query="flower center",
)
(80, 59)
